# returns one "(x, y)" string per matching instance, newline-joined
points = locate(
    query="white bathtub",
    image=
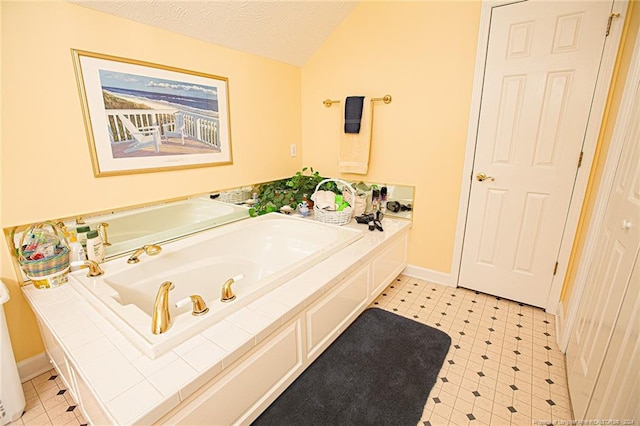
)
(269, 250)
(131, 229)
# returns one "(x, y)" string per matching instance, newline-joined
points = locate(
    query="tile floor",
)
(503, 368)
(49, 403)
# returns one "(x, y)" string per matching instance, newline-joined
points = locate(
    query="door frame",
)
(591, 138)
(622, 123)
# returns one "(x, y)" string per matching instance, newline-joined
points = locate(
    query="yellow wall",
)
(423, 54)
(632, 26)
(45, 166)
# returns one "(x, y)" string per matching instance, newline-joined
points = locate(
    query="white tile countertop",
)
(132, 388)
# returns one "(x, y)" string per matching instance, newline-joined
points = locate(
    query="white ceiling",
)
(284, 30)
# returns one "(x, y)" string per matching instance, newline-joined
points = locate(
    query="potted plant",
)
(289, 191)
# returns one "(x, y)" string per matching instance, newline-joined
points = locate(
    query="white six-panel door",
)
(541, 69)
(603, 356)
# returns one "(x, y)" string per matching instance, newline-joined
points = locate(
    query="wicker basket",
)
(50, 271)
(235, 196)
(335, 217)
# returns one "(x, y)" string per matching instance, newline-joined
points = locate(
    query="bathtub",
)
(268, 250)
(131, 229)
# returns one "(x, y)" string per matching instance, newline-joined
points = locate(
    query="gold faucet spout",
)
(161, 320)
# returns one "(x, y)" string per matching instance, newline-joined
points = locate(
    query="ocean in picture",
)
(184, 96)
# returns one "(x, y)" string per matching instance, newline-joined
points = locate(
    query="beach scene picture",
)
(150, 117)
(144, 117)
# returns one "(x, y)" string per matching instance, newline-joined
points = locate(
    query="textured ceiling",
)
(287, 31)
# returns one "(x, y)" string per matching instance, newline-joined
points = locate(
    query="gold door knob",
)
(483, 176)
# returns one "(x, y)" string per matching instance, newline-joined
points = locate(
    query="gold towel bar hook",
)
(386, 99)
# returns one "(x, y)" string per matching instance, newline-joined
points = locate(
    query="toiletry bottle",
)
(76, 252)
(383, 199)
(375, 200)
(95, 248)
(81, 232)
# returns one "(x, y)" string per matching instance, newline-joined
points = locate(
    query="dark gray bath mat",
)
(378, 372)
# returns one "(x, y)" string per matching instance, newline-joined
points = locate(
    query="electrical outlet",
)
(293, 150)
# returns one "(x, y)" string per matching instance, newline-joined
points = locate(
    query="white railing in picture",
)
(201, 127)
(163, 122)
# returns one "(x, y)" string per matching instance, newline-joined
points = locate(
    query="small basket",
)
(337, 218)
(235, 196)
(50, 271)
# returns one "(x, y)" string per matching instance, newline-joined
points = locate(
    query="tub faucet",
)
(150, 249)
(227, 292)
(94, 269)
(161, 320)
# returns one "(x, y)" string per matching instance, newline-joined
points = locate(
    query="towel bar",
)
(386, 99)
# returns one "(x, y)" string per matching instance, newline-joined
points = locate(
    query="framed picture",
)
(142, 117)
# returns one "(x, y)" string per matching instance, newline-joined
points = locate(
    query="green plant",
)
(272, 196)
(289, 191)
(303, 183)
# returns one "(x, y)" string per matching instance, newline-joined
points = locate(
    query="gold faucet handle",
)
(199, 307)
(227, 292)
(94, 269)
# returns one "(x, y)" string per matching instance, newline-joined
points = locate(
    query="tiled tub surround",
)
(268, 250)
(234, 369)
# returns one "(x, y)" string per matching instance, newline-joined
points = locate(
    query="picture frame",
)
(142, 117)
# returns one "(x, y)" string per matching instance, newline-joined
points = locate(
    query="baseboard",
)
(560, 325)
(33, 367)
(430, 275)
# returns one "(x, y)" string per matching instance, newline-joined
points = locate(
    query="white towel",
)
(353, 148)
(324, 200)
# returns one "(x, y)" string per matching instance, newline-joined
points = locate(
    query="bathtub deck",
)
(118, 373)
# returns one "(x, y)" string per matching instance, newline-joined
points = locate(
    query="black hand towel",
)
(353, 114)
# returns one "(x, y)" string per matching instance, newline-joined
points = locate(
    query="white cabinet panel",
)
(57, 358)
(91, 408)
(231, 399)
(336, 312)
(388, 265)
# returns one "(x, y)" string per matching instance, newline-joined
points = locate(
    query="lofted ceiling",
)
(289, 31)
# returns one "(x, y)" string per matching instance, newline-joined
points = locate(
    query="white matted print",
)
(142, 117)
